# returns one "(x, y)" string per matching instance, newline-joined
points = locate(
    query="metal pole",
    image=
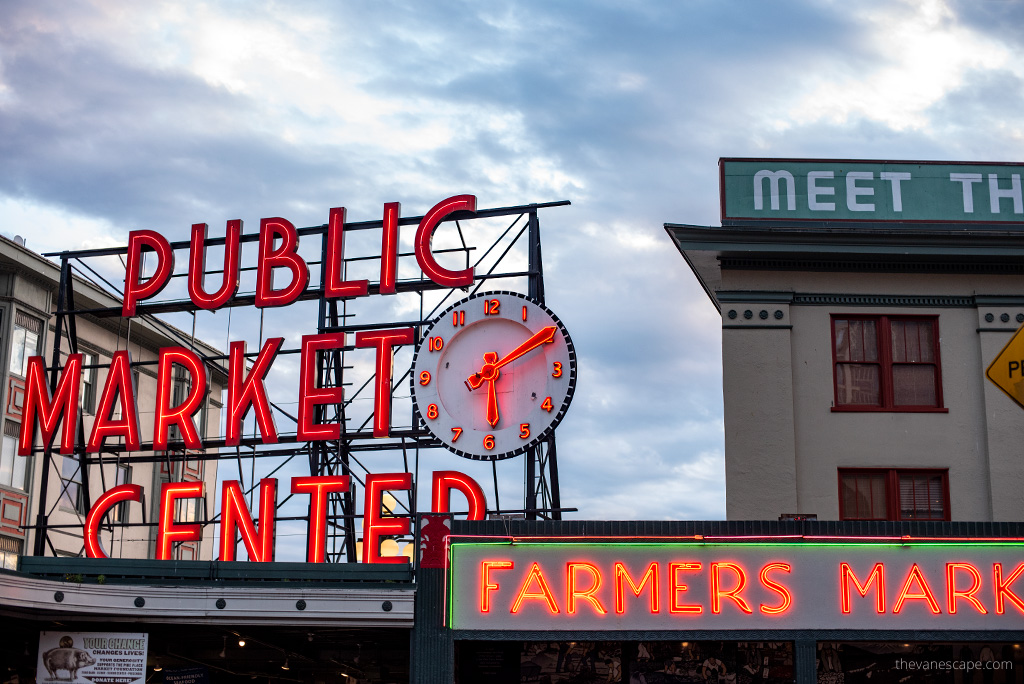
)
(536, 291)
(39, 548)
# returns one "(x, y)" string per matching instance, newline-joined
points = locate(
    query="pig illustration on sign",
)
(70, 659)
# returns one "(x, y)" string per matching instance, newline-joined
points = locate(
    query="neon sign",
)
(282, 277)
(258, 535)
(676, 585)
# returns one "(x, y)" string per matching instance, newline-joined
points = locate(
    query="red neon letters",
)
(110, 498)
(197, 267)
(278, 249)
(425, 232)
(1002, 587)
(572, 587)
(118, 386)
(676, 587)
(284, 255)
(385, 342)
(134, 289)
(447, 480)
(375, 525)
(250, 392)
(584, 584)
(722, 588)
(389, 248)
(486, 586)
(169, 530)
(235, 516)
(39, 405)
(650, 578)
(782, 591)
(334, 286)
(319, 487)
(180, 415)
(310, 395)
(876, 577)
(258, 535)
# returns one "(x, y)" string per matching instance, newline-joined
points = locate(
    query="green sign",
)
(782, 190)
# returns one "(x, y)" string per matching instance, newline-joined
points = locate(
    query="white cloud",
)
(922, 54)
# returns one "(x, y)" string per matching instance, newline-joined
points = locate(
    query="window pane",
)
(912, 341)
(20, 465)
(842, 329)
(18, 350)
(922, 497)
(863, 496)
(858, 384)
(898, 333)
(31, 348)
(856, 340)
(7, 456)
(870, 341)
(914, 385)
(87, 399)
(926, 335)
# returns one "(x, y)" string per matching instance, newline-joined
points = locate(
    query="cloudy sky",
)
(117, 115)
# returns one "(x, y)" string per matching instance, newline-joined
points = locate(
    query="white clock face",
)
(493, 375)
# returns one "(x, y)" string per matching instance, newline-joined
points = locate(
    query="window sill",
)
(884, 409)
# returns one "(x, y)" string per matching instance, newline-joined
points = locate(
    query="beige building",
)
(854, 362)
(28, 299)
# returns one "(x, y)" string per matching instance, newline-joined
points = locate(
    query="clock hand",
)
(492, 404)
(543, 336)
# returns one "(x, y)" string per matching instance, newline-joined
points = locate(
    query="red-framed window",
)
(893, 494)
(886, 363)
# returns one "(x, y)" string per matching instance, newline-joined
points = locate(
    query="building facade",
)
(28, 300)
(854, 350)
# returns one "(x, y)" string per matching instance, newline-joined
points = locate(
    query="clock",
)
(493, 375)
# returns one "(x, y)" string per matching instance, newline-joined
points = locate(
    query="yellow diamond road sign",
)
(1007, 370)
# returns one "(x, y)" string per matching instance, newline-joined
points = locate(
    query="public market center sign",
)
(865, 191)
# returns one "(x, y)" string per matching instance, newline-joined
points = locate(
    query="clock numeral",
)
(456, 433)
(489, 442)
(432, 411)
(524, 430)
(458, 318)
(491, 307)
(557, 372)
(435, 343)
(547, 405)
(524, 313)
(425, 378)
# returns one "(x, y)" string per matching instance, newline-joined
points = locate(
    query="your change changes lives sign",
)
(92, 657)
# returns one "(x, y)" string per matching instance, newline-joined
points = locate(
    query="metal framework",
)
(519, 239)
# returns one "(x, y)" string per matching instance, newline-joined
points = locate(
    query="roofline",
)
(896, 240)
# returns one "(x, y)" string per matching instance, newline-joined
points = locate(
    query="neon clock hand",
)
(491, 365)
(492, 404)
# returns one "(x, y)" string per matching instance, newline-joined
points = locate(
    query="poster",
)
(92, 657)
